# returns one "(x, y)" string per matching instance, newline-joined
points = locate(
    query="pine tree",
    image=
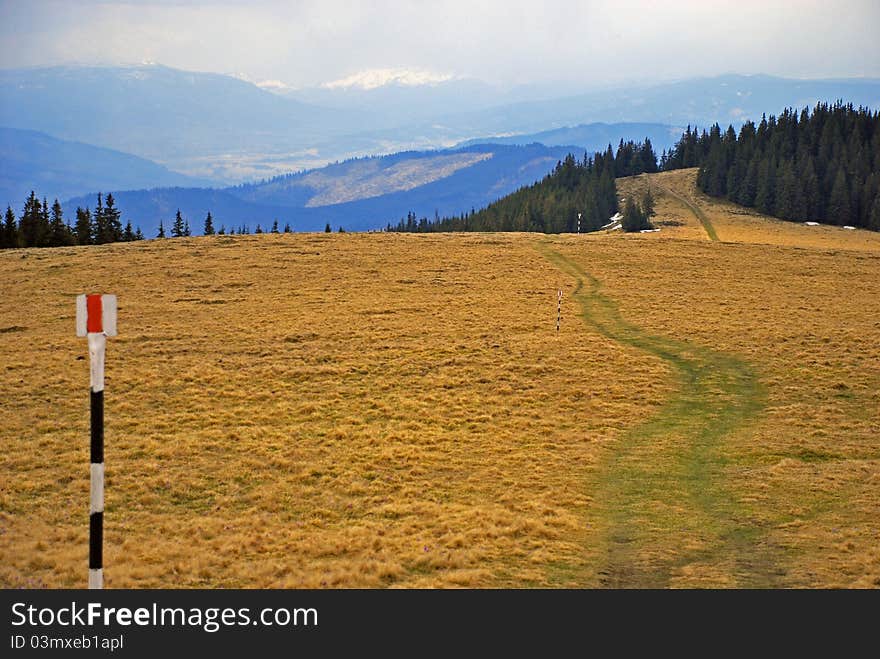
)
(839, 202)
(874, 216)
(9, 232)
(186, 229)
(784, 206)
(765, 196)
(58, 234)
(287, 228)
(209, 225)
(112, 221)
(161, 233)
(83, 229)
(29, 225)
(327, 228)
(128, 235)
(259, 229)
(648, 206)
(633, 217)
(99, 223)
(275, 226)
(178, 227)
(138, 235)
(45, 226)
(222, 230)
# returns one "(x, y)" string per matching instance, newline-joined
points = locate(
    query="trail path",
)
(693, 208)
(664, 512)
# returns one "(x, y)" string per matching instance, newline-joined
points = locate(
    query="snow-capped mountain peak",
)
(375, 78)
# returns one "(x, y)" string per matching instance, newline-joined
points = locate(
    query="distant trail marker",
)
(558, 310)
(579, 224)
(96, 320)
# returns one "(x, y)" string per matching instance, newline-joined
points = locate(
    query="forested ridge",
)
(552, 205)
(822, 165)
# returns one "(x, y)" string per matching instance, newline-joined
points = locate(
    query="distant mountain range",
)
(594, 137)
(73, 131)
(30, 160)
(225, 129)
(360, 194)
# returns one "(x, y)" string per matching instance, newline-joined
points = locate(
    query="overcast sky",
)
(504, 41)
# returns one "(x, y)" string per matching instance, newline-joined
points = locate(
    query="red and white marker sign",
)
(96, 319)
(96, 314)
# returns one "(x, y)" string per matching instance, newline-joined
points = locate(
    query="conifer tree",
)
(112, 221)
(186, 229)
(9, 232)
(839, 201)
(128, 233)
(58, 233)
(275, 226)
(83, 229)
(178, 228)
(161, 233)
(99, 222)
(633, 217)
(327, 228)
(874, 215)
(209, 225)
(29, 225)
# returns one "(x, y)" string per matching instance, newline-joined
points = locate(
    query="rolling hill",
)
(30, 160)
(156, 112)
(398, 410)
(359, 194)
(592, 137)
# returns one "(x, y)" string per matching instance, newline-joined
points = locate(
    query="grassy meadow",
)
(398, 410)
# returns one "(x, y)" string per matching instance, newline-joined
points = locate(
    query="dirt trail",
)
(664, 513)
(693, 208)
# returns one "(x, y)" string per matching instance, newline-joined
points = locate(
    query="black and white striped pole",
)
(579, 224)
(558, 310)
(96, 320)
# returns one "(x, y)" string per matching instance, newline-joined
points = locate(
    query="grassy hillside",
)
(368, 410)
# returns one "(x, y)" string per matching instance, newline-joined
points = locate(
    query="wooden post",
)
(558, 310)
(96, 320)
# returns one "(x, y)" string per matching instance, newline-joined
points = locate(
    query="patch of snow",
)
(812, 224)
(649, 230)
(848, 227)
(272, 85)
(375, 78)
(616, 218)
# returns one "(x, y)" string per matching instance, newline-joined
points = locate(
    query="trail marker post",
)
(579, 224)
(96, 320)
(558, 310)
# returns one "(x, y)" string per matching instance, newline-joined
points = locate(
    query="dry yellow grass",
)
(307, 410)
(370, 410)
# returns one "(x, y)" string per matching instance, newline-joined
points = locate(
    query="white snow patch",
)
(848, 227)
(649, 230)
(375, 78)
(812, 224)
(272, 85)
(614, 219)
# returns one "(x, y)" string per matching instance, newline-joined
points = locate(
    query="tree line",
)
(574, 188)
(822, 165)
(42, 226)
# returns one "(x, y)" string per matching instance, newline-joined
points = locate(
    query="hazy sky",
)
(505, 41)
